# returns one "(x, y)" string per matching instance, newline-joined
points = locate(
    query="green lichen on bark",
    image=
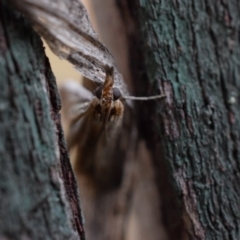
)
(193, 51)
(32, 201)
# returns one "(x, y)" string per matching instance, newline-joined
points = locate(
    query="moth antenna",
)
(144, 98)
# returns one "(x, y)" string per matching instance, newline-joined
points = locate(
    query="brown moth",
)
(65, 26)
(94, 126)
(94, 123)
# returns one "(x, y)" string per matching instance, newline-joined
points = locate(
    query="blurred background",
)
(62, 69)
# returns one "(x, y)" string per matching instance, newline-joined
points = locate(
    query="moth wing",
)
(75, 103)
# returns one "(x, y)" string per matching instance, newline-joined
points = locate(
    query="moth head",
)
(107, 97)
(115, 91)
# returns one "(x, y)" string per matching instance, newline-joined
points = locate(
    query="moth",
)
(94, 125)
(94, 120)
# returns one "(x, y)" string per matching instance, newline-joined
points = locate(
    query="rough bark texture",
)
(190, 51)
(35, 202)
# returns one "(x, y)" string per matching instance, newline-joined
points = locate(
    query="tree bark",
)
(193, 50)
(185, 184)
(38, 193)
